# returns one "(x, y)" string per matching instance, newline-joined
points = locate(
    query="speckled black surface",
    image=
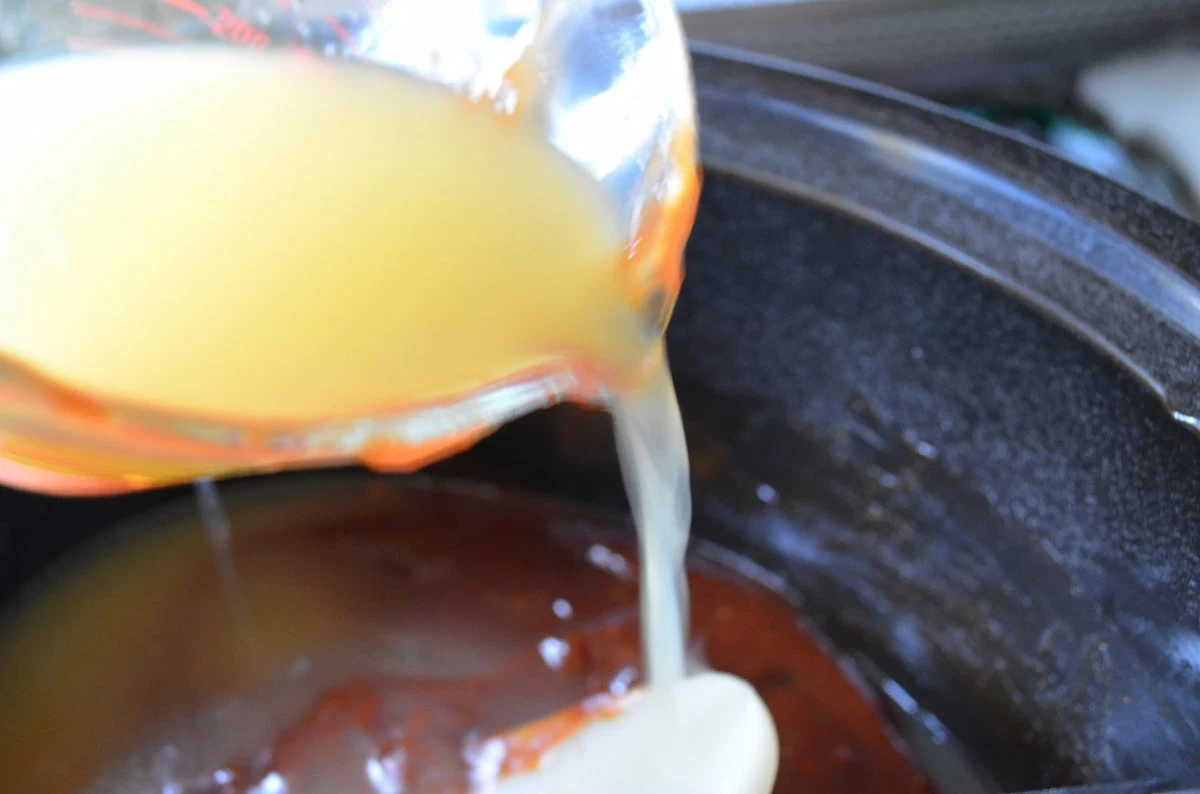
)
(982, 501)
(1118, 267)
(980, 492)
(975, 497)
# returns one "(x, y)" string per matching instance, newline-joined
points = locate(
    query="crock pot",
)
(945, 385)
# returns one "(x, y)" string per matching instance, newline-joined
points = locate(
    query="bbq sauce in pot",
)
(387, 629)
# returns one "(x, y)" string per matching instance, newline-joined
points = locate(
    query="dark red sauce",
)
(532, 608)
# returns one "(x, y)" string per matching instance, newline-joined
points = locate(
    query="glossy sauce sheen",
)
(360, 617)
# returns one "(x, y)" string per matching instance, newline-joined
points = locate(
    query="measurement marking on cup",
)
(336, 27)
(227, 25)
(120, 19)
(231, 27)
(189, 7)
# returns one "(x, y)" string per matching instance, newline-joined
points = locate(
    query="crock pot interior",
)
(958, 488)
(982, 498)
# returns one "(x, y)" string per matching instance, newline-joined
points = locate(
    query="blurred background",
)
(1114, 85)
(1111, 84)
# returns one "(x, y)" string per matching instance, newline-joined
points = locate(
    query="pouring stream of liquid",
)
(527, 285)
(653, 450)
(724, 743)
(708, 733)
(220, 541)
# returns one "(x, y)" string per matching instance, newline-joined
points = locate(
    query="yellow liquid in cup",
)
(247, 238)
(267, 243)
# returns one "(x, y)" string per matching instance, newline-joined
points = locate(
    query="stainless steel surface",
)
(1019, 49)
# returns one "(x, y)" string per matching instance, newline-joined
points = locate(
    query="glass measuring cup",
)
(605, 82)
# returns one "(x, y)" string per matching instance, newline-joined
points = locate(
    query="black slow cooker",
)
(946, 385)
